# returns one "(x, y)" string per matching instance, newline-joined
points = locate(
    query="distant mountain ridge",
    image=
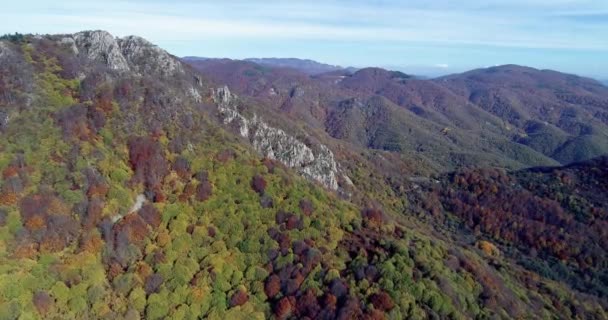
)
(307, 66)
(510, 115)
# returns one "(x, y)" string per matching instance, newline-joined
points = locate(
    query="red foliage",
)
(182, 167)
(374, 217)
(188, 191)
(382, 301)
(375, 315)
(10, 171)
(48, 221)
(272, 286)
(131, 228)
(258, 183)
(486, 200)
(351, 309)
(308, 305)
(150, 214)
(239, 298)
(306, 206)
(81, 122)
(94, 213)
(103, 99)
(284, 308)
(204, 191)
(329, 300)
(269, 164)
(226, 155)
(292, 222)
(148, 162)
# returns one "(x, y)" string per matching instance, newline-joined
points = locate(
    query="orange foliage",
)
(143, 270)
(52, 243)
(91, 243)
(488, 248)
(25, 250)
(8, 198)
(134, 227)
(34, 223)
(98, 189)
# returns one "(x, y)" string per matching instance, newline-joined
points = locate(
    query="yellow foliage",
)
(163, 238)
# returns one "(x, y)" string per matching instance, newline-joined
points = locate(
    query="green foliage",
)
(158, 307)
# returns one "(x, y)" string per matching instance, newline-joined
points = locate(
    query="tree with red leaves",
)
(258, 183)
(239, 298)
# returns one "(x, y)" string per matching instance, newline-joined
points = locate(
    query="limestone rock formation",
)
(101, 46)
(130, 53)
(145, 57)
(4, 119)
(274, 143)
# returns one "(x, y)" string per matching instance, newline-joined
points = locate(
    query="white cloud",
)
(442, 65)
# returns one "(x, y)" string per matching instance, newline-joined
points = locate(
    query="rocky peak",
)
(130, 53)
(145, 57)
(223, 96)
(100, 46)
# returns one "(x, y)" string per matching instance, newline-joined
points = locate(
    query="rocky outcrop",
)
(102, 47)
(274, 143)
(6, 52)
(70, 43)
(4, 119)
(123, 54)
(3, 49)
(145, 57)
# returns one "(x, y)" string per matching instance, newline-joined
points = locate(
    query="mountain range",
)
(509, 116)
(136, 184)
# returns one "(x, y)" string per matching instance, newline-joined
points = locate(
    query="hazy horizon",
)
(419, 37)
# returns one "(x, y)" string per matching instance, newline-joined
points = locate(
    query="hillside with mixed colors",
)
(134, 185)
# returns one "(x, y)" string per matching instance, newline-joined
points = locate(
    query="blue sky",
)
(418, 36)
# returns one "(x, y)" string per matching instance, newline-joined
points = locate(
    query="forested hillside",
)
(125, 193)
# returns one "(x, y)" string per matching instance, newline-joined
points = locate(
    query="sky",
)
(425, 37)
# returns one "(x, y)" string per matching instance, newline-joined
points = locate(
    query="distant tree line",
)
(15, 37)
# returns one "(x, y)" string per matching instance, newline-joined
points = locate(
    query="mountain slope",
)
(426, 112)
(551, 220)
(125, 194)
(572, 110)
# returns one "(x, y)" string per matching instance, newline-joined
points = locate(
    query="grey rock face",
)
(124, 54)
(101, 46)
(6, 52)
(4, 119)
(146, 57)
(3, 49)
(276, 144)
(195, 95)
(70, 43)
